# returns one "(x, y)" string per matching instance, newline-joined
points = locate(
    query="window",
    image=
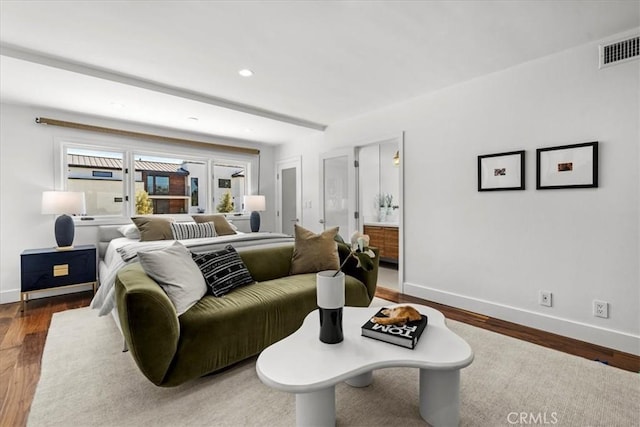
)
(194, 192)
(157, 184)
(230, 186)
(125, 183)
(102, 174)
(168, 184)
(99, 175)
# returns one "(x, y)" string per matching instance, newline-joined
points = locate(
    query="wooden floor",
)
(22, 338)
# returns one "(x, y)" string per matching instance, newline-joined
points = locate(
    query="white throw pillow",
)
(177, 273)
(130, 231)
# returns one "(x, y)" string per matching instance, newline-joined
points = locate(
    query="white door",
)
(289, 198)
(338, 191)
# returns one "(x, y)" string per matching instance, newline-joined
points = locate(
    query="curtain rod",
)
(112, 131)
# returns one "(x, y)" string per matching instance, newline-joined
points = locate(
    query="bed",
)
(116, 251)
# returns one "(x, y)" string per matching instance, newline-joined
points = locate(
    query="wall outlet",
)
(545, 298)
(601, 309)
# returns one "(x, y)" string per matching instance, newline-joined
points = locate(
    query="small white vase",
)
(382, 214)
(330, 289)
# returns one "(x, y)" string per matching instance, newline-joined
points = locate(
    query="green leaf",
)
(364, 261)
(339, 239)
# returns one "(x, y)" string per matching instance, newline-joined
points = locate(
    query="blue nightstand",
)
(48, 268)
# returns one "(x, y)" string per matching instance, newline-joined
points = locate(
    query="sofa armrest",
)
(369, 278)
(149, 322)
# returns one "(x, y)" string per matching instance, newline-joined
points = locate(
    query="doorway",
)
(380, 204)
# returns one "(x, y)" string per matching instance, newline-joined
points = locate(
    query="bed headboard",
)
(106, 233)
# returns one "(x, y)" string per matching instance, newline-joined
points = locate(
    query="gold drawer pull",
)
(61, 270)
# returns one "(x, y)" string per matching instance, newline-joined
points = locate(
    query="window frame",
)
(227, 161)
(128, 149)
(62, 174)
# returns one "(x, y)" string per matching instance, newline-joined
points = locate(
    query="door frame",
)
(287, 164)
(399, 137)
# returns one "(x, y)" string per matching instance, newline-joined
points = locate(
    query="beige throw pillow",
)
(153, 228)
(220, 223)
(314, 252)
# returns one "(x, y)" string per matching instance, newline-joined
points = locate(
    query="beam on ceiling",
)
(101, 73)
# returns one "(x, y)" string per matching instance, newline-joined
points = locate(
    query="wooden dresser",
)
(384, 238)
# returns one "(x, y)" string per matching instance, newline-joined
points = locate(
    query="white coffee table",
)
(304, 365)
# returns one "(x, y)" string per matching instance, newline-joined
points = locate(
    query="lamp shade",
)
(254, 203)
(63, 202)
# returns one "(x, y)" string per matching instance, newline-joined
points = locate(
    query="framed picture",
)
(567, 166)
(224, 183)
(502, 171)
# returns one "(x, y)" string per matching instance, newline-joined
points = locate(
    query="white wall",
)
(492, 252)
(28, 166)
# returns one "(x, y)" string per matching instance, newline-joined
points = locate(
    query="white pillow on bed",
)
(129, 231)
(177, 273)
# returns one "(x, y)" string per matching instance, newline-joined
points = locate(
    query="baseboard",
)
(609, 338)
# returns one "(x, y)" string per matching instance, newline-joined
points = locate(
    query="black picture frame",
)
(224, 183)
(501, 171)
(567, 166)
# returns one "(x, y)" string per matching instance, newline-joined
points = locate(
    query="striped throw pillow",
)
(192, 230)
(223, 270)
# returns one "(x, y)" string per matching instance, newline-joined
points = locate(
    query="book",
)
(405, 336)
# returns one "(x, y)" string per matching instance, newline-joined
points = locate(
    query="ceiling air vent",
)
(620, 51)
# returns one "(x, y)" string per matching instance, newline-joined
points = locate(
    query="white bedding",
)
(122, 247)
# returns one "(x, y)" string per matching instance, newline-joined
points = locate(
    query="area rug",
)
(87, 380)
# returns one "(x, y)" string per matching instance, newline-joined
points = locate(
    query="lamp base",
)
(64, 231)
(254, 221)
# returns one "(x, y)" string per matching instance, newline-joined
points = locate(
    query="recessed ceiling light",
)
(195, 119)
(245, 72)
(117, 105)
(248, 130)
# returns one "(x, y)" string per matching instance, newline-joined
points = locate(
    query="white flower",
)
(359, 241)
(359, 248)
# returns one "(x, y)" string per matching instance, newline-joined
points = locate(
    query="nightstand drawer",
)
(49, 268)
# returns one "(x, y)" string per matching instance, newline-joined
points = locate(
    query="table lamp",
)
(63, 203)
(255, 204)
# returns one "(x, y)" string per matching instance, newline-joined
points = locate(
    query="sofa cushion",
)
(176, 273)
(223, 270)
(314, 252)
(246, 321)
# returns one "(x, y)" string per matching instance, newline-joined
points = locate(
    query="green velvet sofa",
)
(218, 332)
